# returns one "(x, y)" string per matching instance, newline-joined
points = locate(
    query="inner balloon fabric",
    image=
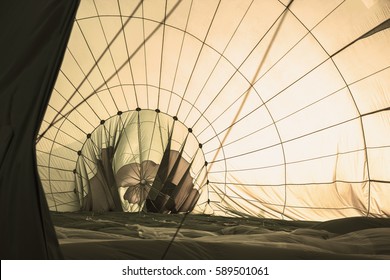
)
(136, 161)
(285, 105)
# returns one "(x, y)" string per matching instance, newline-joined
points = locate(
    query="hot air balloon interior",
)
(181, 129)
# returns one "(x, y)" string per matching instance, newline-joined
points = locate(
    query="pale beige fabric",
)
(291, 105)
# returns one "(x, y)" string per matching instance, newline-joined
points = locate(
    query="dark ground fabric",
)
(91, 235)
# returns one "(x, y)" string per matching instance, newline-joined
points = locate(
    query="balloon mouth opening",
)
(140, 160)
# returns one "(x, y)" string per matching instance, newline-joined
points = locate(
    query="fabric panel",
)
(33, 39)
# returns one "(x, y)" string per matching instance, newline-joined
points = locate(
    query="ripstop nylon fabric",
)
(288, 102)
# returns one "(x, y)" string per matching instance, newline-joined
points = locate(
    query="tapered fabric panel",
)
(33, 38)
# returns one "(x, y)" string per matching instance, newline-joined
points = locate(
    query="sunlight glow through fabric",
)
(267, 108)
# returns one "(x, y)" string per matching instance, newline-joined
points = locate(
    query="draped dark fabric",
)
(33, 39)
(169, 194)
(102, 190)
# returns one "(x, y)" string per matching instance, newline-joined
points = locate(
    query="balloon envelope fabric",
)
(275, 109)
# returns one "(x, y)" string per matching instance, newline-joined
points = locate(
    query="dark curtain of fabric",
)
(33, 39)
(174, 191)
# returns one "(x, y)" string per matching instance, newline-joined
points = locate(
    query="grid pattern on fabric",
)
(288, 101)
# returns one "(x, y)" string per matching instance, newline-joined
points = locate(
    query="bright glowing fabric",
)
(286, 102)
